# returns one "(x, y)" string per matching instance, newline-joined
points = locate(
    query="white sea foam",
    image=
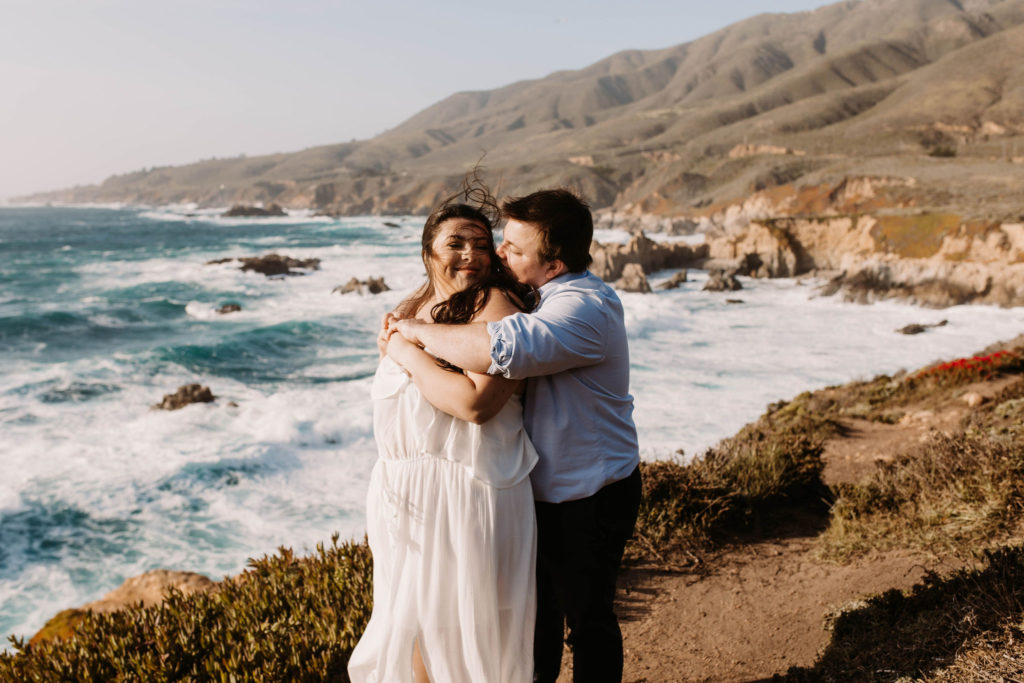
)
(704, 367)
(189, 213)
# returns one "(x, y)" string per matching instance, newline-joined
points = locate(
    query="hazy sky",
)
(89, 88)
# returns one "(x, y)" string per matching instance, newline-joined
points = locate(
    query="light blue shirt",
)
(578, 410)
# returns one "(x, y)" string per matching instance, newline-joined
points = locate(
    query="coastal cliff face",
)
(873, 244)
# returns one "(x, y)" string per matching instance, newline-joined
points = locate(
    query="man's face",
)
(520, 250)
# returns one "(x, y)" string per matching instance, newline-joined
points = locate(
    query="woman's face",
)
(461, 254)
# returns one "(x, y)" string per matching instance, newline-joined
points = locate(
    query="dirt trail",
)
(756, 609)
(760, 610)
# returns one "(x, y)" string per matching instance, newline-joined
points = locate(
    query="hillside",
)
(927, 89)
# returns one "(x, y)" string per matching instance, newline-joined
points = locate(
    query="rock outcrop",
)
(633, 279)
(275, 264)
(879, 248)
(610, 260)
(722, 281)
(675, 281)
(371, 285)
(186, 395)
(148, 589)
(918, 328)
(272, 264)
(229, 308)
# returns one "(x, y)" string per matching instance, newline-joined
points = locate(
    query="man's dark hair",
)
(564, 222)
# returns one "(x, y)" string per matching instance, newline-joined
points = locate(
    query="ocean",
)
(104, 310)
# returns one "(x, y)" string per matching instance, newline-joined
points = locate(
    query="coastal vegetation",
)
(957, 494)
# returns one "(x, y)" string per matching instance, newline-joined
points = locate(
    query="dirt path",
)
(757, 609)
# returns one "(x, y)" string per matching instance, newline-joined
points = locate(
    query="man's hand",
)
(408, 328)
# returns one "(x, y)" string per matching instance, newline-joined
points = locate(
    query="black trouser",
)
(579, 547)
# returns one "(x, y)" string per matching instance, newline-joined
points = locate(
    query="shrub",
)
(686, 508)
(284, 619)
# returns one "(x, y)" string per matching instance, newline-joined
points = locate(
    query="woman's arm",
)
(473, 397)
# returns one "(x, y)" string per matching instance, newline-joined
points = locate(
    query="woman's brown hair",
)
(476, 203)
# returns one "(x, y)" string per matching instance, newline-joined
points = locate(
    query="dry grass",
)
(733, 488)
(952, 495)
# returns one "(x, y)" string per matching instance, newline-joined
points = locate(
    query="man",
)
(578, 413)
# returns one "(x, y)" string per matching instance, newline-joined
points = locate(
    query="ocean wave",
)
(77, 392)
(272, 354)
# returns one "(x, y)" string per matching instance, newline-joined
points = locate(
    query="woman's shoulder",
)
(500, 303)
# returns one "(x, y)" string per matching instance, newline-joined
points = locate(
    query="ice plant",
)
(973, 368)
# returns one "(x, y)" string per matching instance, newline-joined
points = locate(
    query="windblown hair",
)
(563, 221)
(476, 203)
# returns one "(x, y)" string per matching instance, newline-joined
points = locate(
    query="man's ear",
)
(555, 268)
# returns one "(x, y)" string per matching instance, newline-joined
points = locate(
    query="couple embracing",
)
(507, 482)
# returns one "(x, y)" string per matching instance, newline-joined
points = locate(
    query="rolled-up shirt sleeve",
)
(566, 332)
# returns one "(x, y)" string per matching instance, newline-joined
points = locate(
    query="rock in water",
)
(373, 285)
(276, 264)
(352, 285)
(229, 308)
(674, 281)
(244, 211)
(722, 281)
(186, 395)
(633, 279)
(916, 328)
(376, 285)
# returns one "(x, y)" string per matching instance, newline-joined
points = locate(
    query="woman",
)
(450, 516)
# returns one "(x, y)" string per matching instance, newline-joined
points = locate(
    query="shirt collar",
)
(561, 279)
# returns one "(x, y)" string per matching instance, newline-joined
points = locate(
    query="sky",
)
(90, 88)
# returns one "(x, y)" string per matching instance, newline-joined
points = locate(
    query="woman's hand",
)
(387, 329)
(401, 350)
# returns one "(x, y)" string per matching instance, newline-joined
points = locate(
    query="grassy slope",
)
(298, 618)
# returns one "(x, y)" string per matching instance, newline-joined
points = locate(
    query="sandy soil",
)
(759, 610)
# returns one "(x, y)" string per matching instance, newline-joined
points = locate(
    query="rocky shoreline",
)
(869, 246)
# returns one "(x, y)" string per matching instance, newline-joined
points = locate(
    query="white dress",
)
(450, 522)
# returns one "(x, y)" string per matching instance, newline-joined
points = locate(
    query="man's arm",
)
(568, 332)
(467, 346)
(471, 397)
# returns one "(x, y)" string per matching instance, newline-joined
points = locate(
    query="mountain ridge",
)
(652, 130)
